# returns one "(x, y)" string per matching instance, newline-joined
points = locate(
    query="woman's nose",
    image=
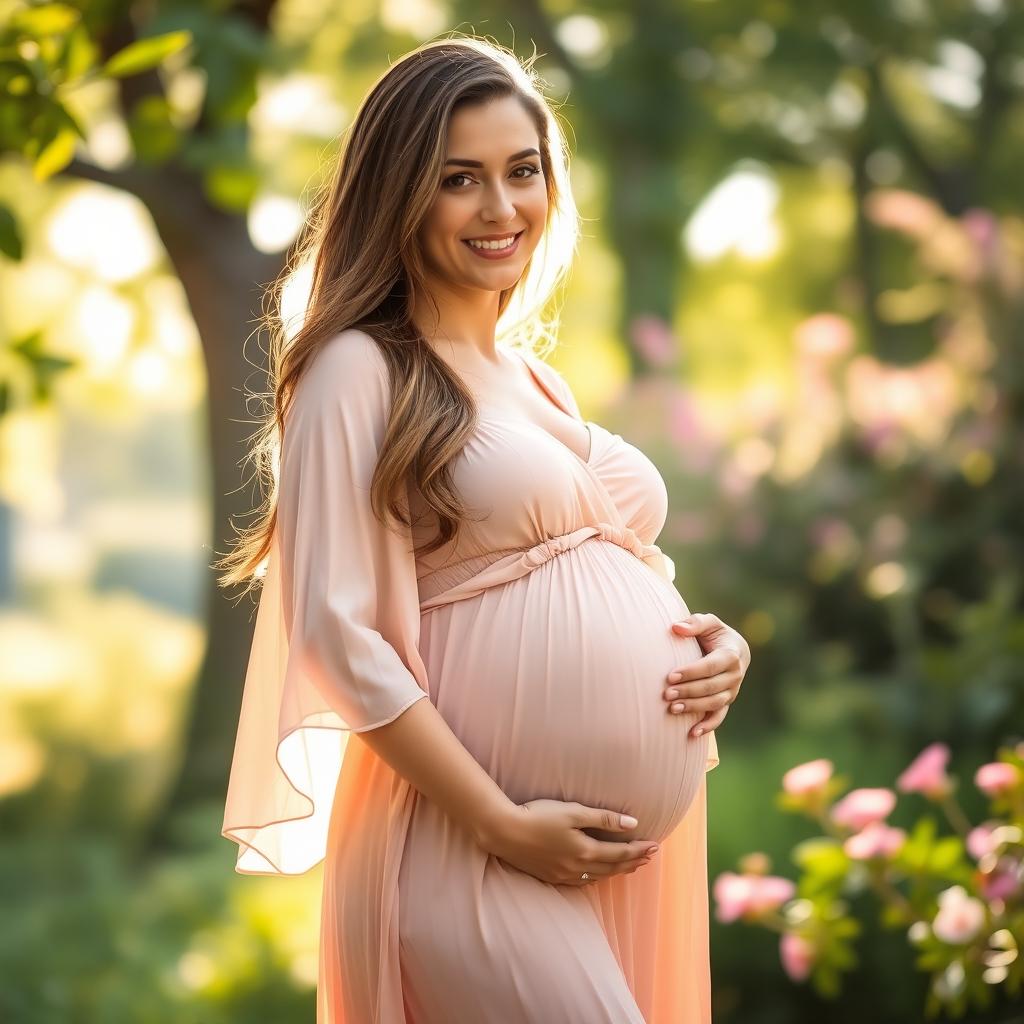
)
(498, 207)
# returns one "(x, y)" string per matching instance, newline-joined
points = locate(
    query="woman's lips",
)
(494, 254)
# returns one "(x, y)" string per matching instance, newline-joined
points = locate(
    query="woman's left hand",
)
(713, 682)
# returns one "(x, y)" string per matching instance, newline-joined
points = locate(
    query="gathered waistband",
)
(438, 588)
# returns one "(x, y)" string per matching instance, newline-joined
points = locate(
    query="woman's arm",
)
(422, 748)
(544, 837)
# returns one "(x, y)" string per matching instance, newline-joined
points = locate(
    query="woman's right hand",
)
(544, 838)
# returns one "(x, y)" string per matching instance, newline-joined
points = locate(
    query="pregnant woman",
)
(457, 567)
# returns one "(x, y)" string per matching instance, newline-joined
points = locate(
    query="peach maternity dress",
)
(542, 635)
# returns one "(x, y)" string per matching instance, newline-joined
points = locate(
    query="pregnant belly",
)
(554, 683)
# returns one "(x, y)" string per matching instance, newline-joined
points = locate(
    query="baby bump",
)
(554, 683)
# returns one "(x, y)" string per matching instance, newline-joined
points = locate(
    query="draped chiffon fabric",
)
(542, 635)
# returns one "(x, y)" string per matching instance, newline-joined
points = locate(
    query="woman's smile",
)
(494, 247)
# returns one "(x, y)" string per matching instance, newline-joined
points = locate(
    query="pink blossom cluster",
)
(861, 811)
(858, 819)
(749, 895)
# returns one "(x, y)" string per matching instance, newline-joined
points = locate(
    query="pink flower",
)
(982, 228)
(884, 399)
(980, 840)
(860, 807)
(996, 778)
(825, 336)
(771, 892)
(749, 895)
(905, 211)
(927, 773)
(654, 339)
(732, 895)
(960, 917)
(1004, 880)
(797, 955)
(875, 840)
(807, 778)
(689, 433)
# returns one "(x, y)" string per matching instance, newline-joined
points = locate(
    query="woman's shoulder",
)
(551, 376)
(352, 354)
(532, 359)
(348, 366)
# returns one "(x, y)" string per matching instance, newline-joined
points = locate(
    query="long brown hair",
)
(357, 264)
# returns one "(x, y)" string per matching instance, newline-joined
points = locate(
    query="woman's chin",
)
(494, 281)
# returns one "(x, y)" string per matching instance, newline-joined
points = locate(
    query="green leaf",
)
(45, 367)
(56, 155)
(916, 851)
(846, 928)
(843, 956)
(789, 802)
(826, 981)
(822, 857)
(153, 133)
(80, 53)
(946, 854)
(892, 916)
(11, 244)
(144, 54)
(50, 19)
(231, 187)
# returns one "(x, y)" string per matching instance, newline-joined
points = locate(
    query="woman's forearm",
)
(420, 745)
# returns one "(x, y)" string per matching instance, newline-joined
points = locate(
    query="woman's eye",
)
(450, 182)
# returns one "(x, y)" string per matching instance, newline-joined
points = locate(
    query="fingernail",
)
(678, 707)
(671, 694)
(652, 849)
(675, 677)
(628, 821)
(698, 732)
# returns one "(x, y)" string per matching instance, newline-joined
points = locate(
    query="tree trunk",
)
(224, 277)
(645, 218)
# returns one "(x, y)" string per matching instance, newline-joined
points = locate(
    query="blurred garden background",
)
(800, 291)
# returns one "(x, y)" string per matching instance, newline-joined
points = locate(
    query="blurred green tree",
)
(196, 178)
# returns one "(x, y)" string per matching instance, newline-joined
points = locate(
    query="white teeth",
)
(500, 244)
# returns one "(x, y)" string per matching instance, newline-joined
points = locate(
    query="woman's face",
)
(499, 198)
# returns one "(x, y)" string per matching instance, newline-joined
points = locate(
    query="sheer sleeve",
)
(335, 644)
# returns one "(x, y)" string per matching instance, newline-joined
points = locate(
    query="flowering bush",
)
(960, 897)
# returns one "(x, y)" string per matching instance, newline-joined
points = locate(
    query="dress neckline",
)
(553, 398)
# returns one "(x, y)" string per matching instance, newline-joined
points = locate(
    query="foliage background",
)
(799, 291)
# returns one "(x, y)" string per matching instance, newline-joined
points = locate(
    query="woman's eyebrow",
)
(476, 163)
